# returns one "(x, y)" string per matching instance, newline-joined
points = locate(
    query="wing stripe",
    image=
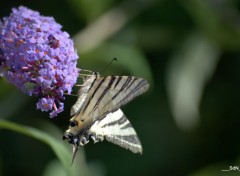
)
(123, 87)
(96, 76)
(81, 98)
(119, 79)
(99, 85)
(130, 84)
(129, 142)
(104, 92)
(141, 84)
(123, 119)
(126, 126)
(130, 138)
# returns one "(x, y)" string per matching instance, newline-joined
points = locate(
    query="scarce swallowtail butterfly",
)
(97, 114)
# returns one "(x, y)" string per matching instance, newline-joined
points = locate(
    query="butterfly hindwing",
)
(116, 128)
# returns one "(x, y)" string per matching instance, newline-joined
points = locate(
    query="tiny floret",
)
(38, 57)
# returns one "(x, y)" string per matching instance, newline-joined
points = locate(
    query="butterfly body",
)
(97, 114)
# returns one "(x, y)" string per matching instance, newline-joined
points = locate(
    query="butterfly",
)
(97, 114)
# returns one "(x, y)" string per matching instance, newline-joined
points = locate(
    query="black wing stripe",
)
(132, 139)
(96, 76)
(115, 122)
(128, 125)
(130, 84)
(104, 92)
(122, 120)
(99, 85)
(142, 83)
(123, 87)
(118, 81)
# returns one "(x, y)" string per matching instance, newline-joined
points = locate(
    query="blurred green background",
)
(188, 122)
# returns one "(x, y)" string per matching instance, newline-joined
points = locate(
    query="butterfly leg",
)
(84, 139)
(94, 138)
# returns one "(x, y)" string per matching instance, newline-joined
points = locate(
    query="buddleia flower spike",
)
(38, 57)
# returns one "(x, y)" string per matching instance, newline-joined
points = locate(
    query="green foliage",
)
(188, 122)
(56, 145)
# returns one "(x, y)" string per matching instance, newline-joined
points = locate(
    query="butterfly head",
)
(74, 137)
(72, 133)
(74, 140)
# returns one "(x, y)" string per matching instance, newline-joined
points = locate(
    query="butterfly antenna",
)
(108, 65)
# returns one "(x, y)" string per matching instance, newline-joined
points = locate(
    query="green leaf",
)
(189, 70)
(89, 9)
(12, 102)
(58, 147)
(54, 168)
(205, 15)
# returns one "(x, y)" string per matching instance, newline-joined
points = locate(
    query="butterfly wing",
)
(110, 93)
(96, 112)
(83, 93)
(116, 128)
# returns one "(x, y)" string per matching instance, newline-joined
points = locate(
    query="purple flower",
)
(37, 57)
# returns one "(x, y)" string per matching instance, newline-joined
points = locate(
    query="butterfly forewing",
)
(83, 93)
(110, 93)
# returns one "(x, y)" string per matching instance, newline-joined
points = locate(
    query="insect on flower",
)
(97, 114)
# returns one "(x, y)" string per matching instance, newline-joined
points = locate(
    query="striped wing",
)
(80, 101)
(83, 93)
(107, 94)
(116, 128)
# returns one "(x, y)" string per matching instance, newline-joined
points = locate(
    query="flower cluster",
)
(37, 57)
